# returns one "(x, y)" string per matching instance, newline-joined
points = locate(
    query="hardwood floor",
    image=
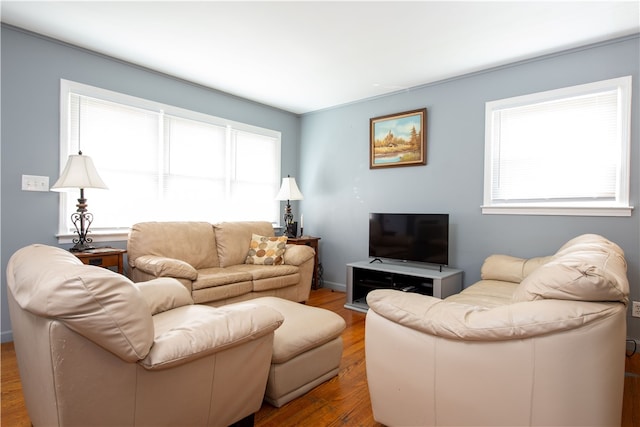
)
(341, 401)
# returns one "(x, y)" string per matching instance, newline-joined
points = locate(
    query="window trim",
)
(68, 86)
(619, 207)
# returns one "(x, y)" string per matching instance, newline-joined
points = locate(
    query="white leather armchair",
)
(535, 342)
(95, 349)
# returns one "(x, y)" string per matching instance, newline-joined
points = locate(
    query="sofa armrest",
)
(298, 254)
(165, 267)
(473, 323)
(164, 293)
(194, 331)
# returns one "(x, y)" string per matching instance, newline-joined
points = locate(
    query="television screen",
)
(409, 237)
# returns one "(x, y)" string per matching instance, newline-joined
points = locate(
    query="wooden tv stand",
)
(365, 276)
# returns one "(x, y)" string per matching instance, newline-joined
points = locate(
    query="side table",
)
(103, 257)
(314, 243)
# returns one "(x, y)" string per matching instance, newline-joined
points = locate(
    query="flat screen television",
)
(409, 237)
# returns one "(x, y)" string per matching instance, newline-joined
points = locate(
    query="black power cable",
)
(635, 347)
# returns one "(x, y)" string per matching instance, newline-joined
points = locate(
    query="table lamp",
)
(289, 191)
(80, 173)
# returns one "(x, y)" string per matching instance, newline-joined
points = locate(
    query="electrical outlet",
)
(635, 309)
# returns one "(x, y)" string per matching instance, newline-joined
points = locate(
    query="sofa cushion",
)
(267, 277)
(189, 241)
(164, 293)
(277, 282)
(508, 268)
(588, 268)
(233, 239)
(212, 277)
(258, 272)
(485, 293)
(99, 304)
(266, 250)
(218, 295)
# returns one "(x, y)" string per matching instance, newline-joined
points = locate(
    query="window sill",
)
(558, 210)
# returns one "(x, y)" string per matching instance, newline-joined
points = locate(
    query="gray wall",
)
(340, 189)
(31, 71)
(327, 151)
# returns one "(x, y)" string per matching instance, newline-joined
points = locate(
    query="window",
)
(561, 152)
(163, 163)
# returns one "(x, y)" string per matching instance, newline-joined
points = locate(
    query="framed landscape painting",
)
(398, 139)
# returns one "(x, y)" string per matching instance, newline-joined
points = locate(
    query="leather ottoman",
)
(307, 349)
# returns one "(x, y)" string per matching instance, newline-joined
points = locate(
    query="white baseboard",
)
(340, 287)
(6, 336)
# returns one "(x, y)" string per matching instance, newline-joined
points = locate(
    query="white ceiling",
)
(305, 56)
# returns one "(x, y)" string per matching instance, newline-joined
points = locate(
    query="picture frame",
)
(398, 139)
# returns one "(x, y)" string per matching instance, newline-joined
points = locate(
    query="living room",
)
(327, 150)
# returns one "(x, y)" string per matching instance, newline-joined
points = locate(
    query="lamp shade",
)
(289, 190)
(79, 173)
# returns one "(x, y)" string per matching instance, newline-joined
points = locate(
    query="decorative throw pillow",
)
(266, 250)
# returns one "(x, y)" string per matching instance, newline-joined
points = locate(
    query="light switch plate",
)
(35, 183)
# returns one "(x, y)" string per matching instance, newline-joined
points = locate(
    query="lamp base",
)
(81, 247)
(82, 221)
(292, 229)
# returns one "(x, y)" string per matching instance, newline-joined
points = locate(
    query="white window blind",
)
(560, 152)
(163, 163)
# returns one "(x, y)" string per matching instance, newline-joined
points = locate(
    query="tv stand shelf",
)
(364, 276)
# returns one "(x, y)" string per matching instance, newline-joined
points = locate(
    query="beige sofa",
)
(535, 342)
(210, 261)
(93, 348)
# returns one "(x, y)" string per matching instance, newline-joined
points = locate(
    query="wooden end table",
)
(314, 243)
(103, 257)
